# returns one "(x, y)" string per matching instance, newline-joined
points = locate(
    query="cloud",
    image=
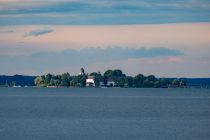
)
(104, 12)
(7, 31)
(39, 32)
(88, 56)
(95, 55)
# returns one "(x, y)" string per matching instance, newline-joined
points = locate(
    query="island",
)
(110, 78)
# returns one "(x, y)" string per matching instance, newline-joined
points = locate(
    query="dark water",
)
(104, 114)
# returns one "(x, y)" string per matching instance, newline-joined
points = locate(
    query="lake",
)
(104, 114)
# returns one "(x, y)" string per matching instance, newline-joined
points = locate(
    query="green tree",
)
(121, 82)
(75, 81)
(148, 84)
(39, 81)
(97, 78)
(47, 79)
(182, 83)
(151, 78)
(175, 83)
(157, 84)
(138, 80)
(56, 82)
(108, 73)
(65, 79)
(129, 81)
(164, 82)
(82, 80)
(117, 73)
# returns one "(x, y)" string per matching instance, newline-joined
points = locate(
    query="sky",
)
(161, 37)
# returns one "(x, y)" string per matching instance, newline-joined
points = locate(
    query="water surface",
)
(104, 114)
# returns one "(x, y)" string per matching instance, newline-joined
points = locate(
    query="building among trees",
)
(110, 82)
(90, 81)
(110, 78)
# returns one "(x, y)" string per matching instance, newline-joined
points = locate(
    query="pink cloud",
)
(175, 60)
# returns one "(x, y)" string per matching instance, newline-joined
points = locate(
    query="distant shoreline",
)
(28, 81)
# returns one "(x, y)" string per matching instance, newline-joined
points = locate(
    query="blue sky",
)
(103, 12)
(162, 37)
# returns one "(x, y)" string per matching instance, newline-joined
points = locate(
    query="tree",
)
(82, 80)
(182, 83)
(108, 73)
(117, 73)
(47, 79)
(97, 78)
(65, 79)
(175, 83)
(164, 82)
(39, 81)
(74, 81)
(151, 78)
(121, 82)
(157, 84)
(129, 81)
(56, 82)
(148, 84)
(138, 80)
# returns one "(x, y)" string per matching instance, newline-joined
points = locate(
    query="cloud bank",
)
(88, 56)
(39, 32)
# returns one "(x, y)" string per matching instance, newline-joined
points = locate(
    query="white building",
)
(110, 82)
(90, 81)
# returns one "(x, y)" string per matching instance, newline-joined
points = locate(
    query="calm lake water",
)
(104, 114)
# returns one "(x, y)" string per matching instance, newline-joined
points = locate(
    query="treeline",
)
(20, 80)
(117, 76)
